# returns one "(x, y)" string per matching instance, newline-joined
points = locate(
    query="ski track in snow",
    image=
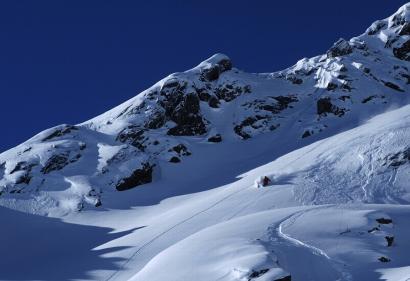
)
(158, 236)
(292, 241)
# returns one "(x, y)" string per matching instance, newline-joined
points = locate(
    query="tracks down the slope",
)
(304, 261)
(156, 237)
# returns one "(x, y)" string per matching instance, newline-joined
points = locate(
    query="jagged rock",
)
(181, 150)
(384, 221)
(403, 52)
(22, 166)
(384, 259)
(369, 98)
(376, 27)
(215, 138)
(138, 177)
(257, 274)
(188, 118)
(398, 159)
(134, 136)
(405, 30)
(340, 48)
(306, 134)
(294, 79)
(213, 102)
(156, 121)
(174, 159)
(374, 229)
(219, 64)
(331, 86)
(324, 106)
(389, 240)
(55, 163)
(393, 86)
(65, 129)
(230, 92)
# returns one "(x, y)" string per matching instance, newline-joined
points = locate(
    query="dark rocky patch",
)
(66, 129)
(215, 138)
(138, 177)
(405, 30)
(188, 118)
(133, 135)
(398, 159)
(392, 86)
(212, 73)
(22, 166)
(174, 159)
(340, 48)
(257, 274)
(229, 92)
(250, 121)
(213, 102)
(324, 106)
(369, 98)
(156, 120)
(384, 221)
(403, 52)
(384, 259)
(306, 134)
(374, 229)
(25, 178)
(181, 150)
(294, 79)
(376, 27)
(55, 163)
(389, 240)
(331, 86)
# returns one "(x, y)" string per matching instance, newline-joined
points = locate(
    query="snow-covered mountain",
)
(219, 174)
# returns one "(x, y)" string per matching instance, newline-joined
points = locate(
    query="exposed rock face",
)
(174, 159)
(324, 106)
(398, 159)
(188, 118)
(59, 132)
(403, 52)
(218, 65)
(215, 138)
(138, 177)
(340, 48)
(134, 136)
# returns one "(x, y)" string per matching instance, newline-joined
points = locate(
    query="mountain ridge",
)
(211, 103)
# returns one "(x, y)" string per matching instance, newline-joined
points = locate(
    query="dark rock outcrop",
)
(138, 177)
(324, 106)
(55, 163)
(384, 221)
(64, 130)
(215, 138)
(340, 48)
(389, 240)
(403, 52)
(174, 159)
(384, 259)
(212, 73)
(134, 136)
(188, 118)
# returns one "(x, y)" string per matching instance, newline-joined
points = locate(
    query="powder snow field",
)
(215, 174)
(228, 232)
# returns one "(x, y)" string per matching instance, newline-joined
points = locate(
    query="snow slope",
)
(163, 186)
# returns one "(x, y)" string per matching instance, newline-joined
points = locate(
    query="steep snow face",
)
(213, 103)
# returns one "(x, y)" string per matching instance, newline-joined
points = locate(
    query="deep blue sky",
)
(67, 61)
